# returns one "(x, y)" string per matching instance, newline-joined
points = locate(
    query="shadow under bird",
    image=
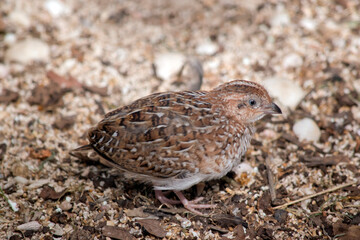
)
(174, 140)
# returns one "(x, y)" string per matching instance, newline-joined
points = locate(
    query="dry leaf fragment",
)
(49, 193)
(69, 82)
(136, 212)
(32, 226)
(77, 53)
(49, 96)
(64, 122)
(40, 153)
(8, 96)
(153, 227)
(102, 91)
(3, 148)
(80, 234)
(228, 220)
(325, 161)
(117, 233)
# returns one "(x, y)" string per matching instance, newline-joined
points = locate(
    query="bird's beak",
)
(272, 109)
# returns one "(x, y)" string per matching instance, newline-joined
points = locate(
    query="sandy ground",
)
(63, 64)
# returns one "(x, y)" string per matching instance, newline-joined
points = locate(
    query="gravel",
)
(63, 64)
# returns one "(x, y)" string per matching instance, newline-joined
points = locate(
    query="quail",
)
(174, 140)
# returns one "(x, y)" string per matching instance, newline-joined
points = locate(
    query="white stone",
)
(280, 18)
(38, 183)
(246, 61)
(4, 71)
(168, 64)
(248, 170)
(184, 222)
(57, 230)
(212, 64)
(207, 48)
(33, 226)
(355, 110)
(19, 17)
(55, 8)
(194, 234)
(243, 167)
(268, 134)
(292, 60)
(356, 83)
(307, 129)
(27, 51)
(65, 205)
(21, 180)
(308, 24)
(288, 92)
(10, 38)
(13, 205)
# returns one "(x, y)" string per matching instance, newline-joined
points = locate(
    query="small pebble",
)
(280, 215)
(55, 8)
(27, 51)
(13, 205)
(57, 230)
(9, 38)
(38, 183)
(207, 48)
(355, 110)
(20, 169)
(192, 75)
(292, 60)
(168, 64)
(307, 129)
(188, 78)
(244, 173)
(19, 17)
(65, 205)
(281, 18)
(4, 71)
(58, 210)
(243, 167)
(308, 24)
(268, 134)
(21, 180)
(287, 91)
(33, 226)
(194, 234)
(184, 222)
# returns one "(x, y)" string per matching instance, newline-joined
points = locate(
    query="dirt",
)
(102, 57)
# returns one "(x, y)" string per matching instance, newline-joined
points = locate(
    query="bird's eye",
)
(252, 102)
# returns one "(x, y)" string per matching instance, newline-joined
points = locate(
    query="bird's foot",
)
(192, 205)
(163, 199)
(189, 205)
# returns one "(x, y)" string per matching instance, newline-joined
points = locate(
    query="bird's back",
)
(172, 140)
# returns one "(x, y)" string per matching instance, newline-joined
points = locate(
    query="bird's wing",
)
(156, 136)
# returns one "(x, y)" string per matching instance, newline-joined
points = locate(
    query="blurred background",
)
(64, 63)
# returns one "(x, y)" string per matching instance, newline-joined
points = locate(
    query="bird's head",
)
(245, 101)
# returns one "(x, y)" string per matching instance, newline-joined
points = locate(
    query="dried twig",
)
(316, 194)
(271, 180)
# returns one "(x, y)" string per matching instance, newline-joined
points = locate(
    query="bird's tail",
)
(87, 153)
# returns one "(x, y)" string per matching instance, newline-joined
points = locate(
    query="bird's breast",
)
(225, 148)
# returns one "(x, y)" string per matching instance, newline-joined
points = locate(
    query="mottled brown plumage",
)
(174, 140)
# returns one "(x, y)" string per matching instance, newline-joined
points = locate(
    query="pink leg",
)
(163, 199)
(192, 205)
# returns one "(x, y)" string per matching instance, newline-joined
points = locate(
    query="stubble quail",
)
(174, 140)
